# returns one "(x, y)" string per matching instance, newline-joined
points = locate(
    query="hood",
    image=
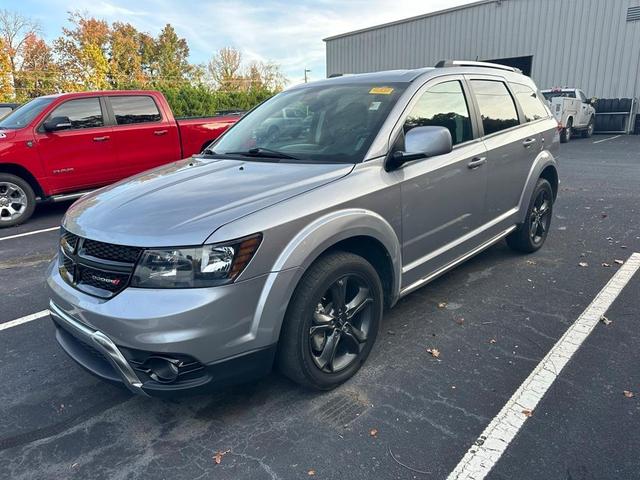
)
(182, 203)
(6, 134)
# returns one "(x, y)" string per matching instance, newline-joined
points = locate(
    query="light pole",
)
(306, 70)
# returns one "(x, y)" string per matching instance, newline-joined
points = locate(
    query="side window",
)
(496, 105)
(134, 109)
(443, 105)
(531, 105)
(583, 97)
(83, 113)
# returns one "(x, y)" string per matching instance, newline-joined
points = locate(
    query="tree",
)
(171, 56)
(125, 56)
(265, 75)
(6, 78)
(83, 52)
(14, 31)
(39, 74)
(224, 69)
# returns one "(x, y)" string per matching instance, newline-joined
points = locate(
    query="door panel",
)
(82, 156)
(143, 139)
(511, 147)
(442, 200)
(442, 197)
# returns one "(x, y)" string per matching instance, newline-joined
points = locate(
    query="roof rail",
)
(469, 63)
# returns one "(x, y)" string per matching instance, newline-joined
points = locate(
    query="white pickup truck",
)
(572, 110)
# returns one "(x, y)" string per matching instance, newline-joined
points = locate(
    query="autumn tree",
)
(225, 69)
(39, 73)
(14, 31)
(125, 56)
(6, 77)
(83, 53)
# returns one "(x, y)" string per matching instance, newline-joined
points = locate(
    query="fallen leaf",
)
(311, 473)
(604, 264)
(442, 304)
(74, 465)
(493, 340)
(434, 352)
(605, 320)
(531, 262)
(391, 332)
(628, 394)
(527, 413)
(604, 215)
(583, 264)
(217, 458)
(373, 432)
(619, 262)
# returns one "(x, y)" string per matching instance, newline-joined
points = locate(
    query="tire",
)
(301, 353)
(17, 200)
(588, 132)
(531, 235)
(565, 135)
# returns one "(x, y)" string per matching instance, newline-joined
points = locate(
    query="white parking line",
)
(489, 447)
(25, 319)
(607, 139)
(29, 233)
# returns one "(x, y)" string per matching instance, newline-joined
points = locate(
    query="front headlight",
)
(193, 267)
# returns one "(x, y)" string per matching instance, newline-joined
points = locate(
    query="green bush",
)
(201, 100)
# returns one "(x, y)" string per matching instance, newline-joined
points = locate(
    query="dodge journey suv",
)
(283, 247)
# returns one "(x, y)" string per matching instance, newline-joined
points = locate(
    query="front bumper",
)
(227, 333)
(97, 354)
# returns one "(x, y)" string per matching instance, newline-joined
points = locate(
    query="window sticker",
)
(375, 105)
(381, 91)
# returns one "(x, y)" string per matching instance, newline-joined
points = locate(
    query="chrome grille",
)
(97, 268)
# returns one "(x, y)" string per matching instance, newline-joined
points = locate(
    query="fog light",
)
(162, 369)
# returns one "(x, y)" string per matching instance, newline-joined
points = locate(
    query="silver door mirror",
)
(430, 141)
(421, 142)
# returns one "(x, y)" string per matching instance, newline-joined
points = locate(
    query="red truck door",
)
(143, 137)
(83, 155)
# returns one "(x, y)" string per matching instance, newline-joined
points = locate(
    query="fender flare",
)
(305, 248)
(542, 161)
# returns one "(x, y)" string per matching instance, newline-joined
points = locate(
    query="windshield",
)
(565, 94)
(22, 116)
(328, 123)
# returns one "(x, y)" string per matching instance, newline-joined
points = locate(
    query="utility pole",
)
(306, 70)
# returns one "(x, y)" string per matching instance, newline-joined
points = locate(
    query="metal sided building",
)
(590, 44)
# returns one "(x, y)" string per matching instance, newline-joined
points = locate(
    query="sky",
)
(288, 33)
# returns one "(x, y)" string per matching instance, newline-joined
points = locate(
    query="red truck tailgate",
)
(196, 133)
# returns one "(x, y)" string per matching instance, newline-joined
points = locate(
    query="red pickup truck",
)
(58, 147)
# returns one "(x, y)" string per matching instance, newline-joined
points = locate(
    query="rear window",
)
(529, 101)
(496, 105)
(567, 94)
(134, 109)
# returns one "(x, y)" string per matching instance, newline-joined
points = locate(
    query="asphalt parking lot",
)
(406, 414)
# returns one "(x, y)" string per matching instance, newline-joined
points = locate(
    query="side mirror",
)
(57, 123)
(421, 142)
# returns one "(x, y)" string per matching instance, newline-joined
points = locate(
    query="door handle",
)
(528, 142)
(160, 132)
(476, 162)
(101, 139)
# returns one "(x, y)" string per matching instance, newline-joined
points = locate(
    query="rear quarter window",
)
(530, 102)
(133, 109)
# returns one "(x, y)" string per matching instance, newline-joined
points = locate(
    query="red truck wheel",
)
(17, 200)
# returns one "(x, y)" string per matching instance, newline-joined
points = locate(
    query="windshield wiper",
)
(263, 152)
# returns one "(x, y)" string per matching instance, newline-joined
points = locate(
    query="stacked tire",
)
(612, 123)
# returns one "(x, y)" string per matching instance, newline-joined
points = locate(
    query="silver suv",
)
(286, 249)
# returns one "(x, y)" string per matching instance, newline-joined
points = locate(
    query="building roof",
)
(411, 19)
